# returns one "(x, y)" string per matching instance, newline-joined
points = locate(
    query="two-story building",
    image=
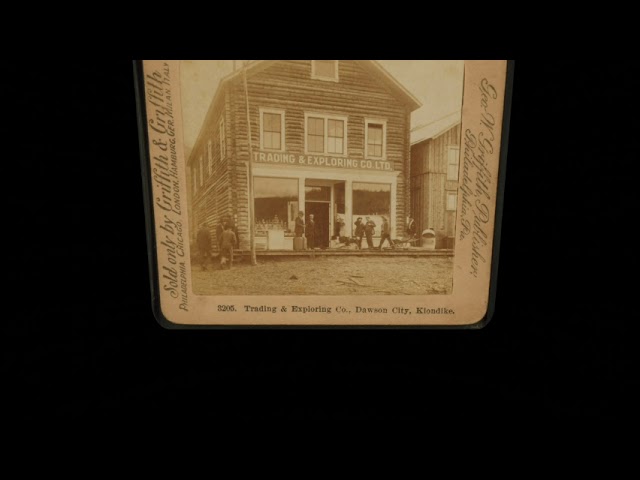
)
(328, 137)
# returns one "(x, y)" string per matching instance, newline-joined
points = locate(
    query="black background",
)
(81, 341)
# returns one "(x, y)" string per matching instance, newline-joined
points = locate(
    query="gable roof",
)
(436, 128)
(371, 66)
(399, 90)
(256, 66)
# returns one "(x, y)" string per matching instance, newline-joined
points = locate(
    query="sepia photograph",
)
(328, 192)
(322, 177)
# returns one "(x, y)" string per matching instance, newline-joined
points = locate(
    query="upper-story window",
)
(324, 70)
(200, 173)
(375, 138)
(271, 129)
(453, 163)
(325, 134)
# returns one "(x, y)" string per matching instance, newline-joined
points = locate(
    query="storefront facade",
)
(329, 138)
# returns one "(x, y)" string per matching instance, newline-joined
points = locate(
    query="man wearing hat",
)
(310, 232)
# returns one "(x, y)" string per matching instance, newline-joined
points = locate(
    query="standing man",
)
(369, 230)
(234, 229)
(385, 234)
(299, 230)
(227, 243)
(311, 233)
(359, 232)
(203, 239)
(219, 230)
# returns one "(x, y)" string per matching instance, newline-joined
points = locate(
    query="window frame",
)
(451, 194)
(274, 111)
(375, 121)
(326, 117)
(450, 177)
(315, 76)
(201, 169)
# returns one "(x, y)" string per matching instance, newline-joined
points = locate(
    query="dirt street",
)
(329, 276)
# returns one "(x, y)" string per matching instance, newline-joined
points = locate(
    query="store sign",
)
(292, 159)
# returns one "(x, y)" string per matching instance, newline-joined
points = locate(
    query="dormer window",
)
(324, 70)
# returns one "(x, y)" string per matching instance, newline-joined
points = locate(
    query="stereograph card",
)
(323, 192)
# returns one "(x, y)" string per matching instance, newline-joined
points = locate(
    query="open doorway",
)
(320, 212)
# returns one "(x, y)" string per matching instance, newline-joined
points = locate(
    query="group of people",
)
(367, 229)
(308, 229)
(227, 238)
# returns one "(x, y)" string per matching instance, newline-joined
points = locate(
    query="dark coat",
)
(229, 239)
(220, 229)
(311, 229)
(299, 226)
(370, 227)
(203, 240)
(411, 228)
(386, 228)
(359, 228)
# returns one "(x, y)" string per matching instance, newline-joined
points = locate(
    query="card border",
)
(145, 160)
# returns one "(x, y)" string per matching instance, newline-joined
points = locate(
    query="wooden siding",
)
(211, 201)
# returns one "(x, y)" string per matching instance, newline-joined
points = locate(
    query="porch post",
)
(348, 208)
(301, 197)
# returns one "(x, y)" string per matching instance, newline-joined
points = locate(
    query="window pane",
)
(336, 128)
(452, 201)
(272, 131)
(375, 134)
(316, 126)
(452, 172)
(315, 144)
(325, 68)
(454, 155)
(374, 140)
(335, 136)
(334, 145)
(272, 141)
(331, 145)
(275, 202)
(374, 150)
(271, 122)
(371, 199)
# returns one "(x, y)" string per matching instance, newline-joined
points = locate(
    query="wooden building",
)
(435, 161)
(328, 137)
